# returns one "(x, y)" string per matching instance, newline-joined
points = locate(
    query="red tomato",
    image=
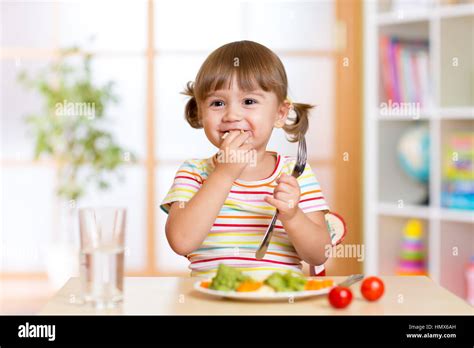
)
(340, 297)
(372, 288)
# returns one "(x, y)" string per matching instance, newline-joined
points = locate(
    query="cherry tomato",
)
(372, 288)
(340, 297)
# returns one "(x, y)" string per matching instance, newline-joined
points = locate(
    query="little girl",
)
(220, 207)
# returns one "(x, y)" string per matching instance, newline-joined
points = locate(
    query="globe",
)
(414, 153)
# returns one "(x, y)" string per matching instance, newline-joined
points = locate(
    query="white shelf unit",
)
(449, 234)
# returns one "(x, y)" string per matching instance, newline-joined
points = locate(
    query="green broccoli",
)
(285, 282)
(227, 278)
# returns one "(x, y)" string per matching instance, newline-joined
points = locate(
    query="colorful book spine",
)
(424, 79)
(404, 67)
(458, 171)
(386, 69)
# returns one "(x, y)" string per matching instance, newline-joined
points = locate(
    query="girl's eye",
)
(217, 103)
(250, 101)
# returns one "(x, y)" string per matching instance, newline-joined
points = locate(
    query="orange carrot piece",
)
(249, 286)
(327, 283)
(309, 285)
(313, 284)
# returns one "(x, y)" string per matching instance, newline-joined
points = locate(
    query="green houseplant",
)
(71, 130)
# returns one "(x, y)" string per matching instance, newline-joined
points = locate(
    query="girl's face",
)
(233, 109)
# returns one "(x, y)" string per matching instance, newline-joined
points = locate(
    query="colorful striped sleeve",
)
(311, 198)
(187, 182)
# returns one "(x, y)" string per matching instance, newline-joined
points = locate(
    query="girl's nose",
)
(232, 114)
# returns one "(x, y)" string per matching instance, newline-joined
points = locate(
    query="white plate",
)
(260, 296)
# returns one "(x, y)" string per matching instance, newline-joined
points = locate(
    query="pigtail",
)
(298, 121)
(191, 110)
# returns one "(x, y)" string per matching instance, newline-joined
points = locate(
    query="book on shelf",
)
(458, 171)
(405, 70)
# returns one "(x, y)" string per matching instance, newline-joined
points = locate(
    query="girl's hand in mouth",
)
(224, 134)
(233, 155)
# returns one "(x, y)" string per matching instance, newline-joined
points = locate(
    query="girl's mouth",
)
(224, 134)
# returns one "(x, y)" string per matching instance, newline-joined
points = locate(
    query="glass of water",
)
(102, 235)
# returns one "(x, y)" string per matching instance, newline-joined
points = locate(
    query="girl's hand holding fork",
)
(286, 197)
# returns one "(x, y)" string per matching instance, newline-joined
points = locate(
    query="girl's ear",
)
(282, 114)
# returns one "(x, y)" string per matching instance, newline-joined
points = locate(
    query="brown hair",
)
(253, 65)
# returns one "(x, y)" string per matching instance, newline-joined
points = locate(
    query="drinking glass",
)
(102, 235)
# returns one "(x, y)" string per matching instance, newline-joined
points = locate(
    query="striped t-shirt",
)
(242, 221)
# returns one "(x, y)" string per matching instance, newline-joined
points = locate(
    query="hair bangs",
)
(251, 65)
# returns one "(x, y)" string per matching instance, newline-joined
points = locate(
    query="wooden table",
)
(176, 296)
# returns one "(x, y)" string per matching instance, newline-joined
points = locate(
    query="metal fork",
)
(352, 279)
(297, 171)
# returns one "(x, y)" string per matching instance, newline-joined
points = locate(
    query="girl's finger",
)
(280, 205)
(284, 187)
(289, 200)
(230, 137)
(289, 179)
(241, 138)
(246, 147)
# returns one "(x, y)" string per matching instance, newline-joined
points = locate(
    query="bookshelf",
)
(448, 27)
